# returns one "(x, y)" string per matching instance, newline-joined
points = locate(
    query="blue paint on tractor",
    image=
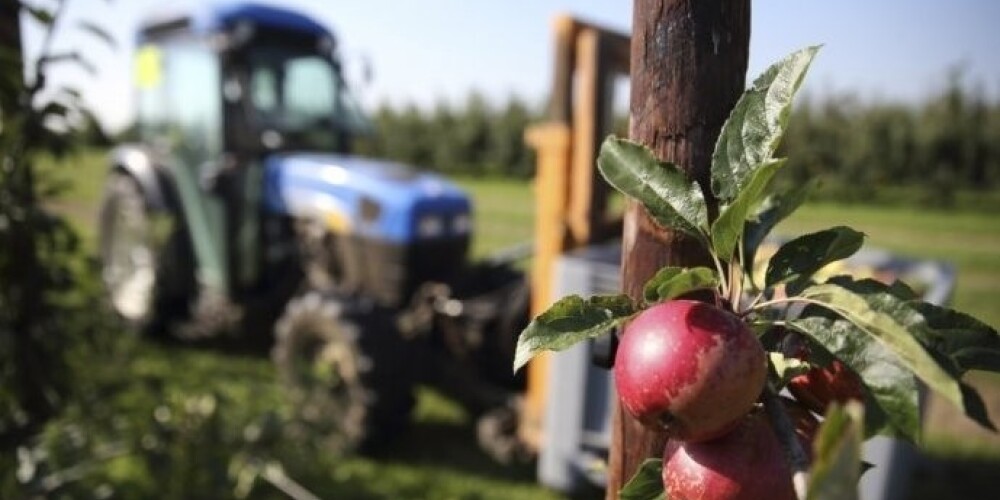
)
(380, 200)
(213, 17)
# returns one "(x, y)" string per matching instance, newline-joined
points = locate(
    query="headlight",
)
(430, 226)
(461, 224)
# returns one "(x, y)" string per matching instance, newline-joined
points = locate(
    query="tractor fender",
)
(137, 162)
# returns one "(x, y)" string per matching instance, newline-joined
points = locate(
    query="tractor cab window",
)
(302, 96)
(178, 99)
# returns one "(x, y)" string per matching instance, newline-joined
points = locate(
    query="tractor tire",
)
(345, 372)
(132, 263)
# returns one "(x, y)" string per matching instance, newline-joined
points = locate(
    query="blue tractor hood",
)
(371, 198)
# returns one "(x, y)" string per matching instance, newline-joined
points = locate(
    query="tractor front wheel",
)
(344, 371)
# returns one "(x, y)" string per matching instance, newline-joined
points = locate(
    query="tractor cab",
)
(244, 79)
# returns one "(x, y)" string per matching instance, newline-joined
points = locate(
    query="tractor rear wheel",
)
(345, 372)
(131, 260)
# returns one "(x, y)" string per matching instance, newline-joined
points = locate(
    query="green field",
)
(438, 459)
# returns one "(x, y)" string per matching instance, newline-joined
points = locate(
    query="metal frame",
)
(572, 202)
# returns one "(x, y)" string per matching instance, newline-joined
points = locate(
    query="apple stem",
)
(735, 283)
(722, 273)
(797, 459)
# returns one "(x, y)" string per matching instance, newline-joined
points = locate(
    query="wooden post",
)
(688, 68)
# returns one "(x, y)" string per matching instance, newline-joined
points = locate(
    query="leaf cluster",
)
(881, 332)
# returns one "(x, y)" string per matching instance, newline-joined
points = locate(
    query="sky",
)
(426, 51)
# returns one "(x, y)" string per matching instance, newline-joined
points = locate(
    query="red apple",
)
(689, 368)
(746, 464)
(820, 386)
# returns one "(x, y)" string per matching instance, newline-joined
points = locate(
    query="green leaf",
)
(887, 380)
(646, 484)
(756, 124)
(797, 260)
(671, 282)
(976, 349)
(54, 109)
(897, 326)
(837, 454)
(571, 320)
(672, 199)
(728, 228)
(785, 368)
(774, 209)
(99, 33)
(40, 15)
(970, 343)
(902, 290)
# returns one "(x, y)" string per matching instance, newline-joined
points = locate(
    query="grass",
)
(504, 212)
(438, 459)
(968, 240)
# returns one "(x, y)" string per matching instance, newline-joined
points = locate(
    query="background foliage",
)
(943, 151)
(923, 154)
(475, 138)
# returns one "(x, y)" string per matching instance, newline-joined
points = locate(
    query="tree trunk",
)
(10, 44)
(22, 272)
(689, 61)
(10, 28)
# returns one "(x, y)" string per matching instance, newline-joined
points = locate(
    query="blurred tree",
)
(923, 153)
(507, 154)
(473, 133)
(475, 138)
(441, 126)
(866, 151)
(38, 248)
(21, 307)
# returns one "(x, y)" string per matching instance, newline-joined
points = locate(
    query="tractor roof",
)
(210, 17)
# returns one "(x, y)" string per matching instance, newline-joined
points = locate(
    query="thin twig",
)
(795, 455)
(45, 52)
(753, 303)
(275, 475)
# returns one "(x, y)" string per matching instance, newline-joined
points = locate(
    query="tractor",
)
(240, 208)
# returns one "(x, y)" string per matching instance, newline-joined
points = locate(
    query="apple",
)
(746, 464)
(821, 385)
(689, 368)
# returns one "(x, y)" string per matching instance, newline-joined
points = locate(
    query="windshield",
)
(302, 96)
